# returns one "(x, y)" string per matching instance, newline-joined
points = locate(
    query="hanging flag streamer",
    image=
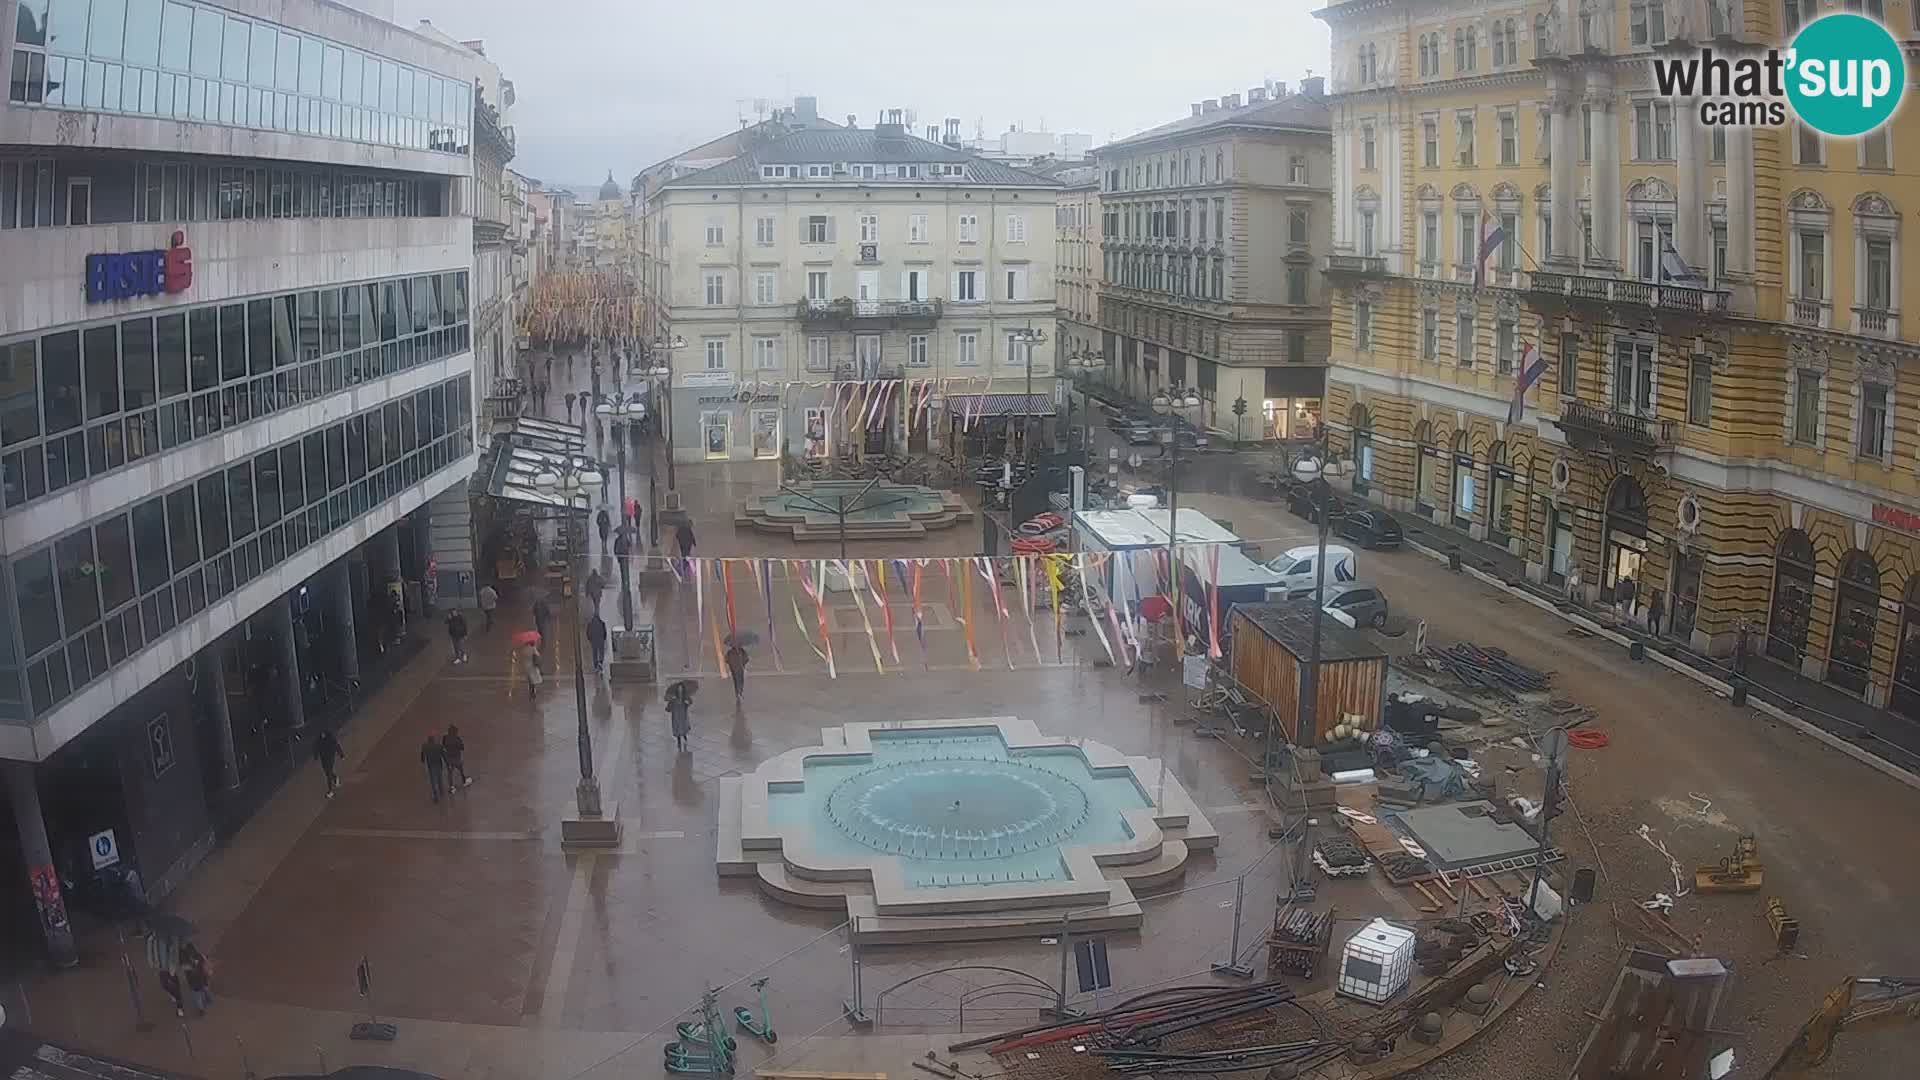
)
(966, 611)
(987, 571)
(1051, 564)
(878, 579)
(699, 603)
(1080, 563)
(853, 587)
(1025, 564)
(763, 584)
(794, 597)
(919, 616)
(819, 593)
(1213, 605)
(726, 583)
(712, 627)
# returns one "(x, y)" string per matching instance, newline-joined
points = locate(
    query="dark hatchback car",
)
(1372, 528)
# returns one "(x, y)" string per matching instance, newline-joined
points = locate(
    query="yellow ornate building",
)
(1729, 415)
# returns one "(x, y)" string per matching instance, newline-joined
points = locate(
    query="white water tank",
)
(1377, 962)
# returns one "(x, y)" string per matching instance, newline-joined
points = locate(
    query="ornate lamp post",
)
(660, 379)
(1173, 404)
(576, 482)
(1086, 363)
(663, 349)
(621, 409)
(1026, 338)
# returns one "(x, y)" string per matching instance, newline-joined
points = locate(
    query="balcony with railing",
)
(869, 313)
(1876, 320)
(1585, 289)
(1357, 265)
(1809, 311)
(1592, 428)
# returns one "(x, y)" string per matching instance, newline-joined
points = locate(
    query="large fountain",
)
(851, 510)
(948, 829)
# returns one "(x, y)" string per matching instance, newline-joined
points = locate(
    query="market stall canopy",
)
(514, 471)
(550, 436)
(1000, 404)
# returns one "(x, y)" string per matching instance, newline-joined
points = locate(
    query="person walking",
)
(457, 633)
(543, 619)
(604, 525)
(326, 750)
(1656, 610)
(433, 755)
(736, 657)
(549, 367)
(1623, 595)
(197, 972)
(683, 537)
(170, 983)
(633, 511)
(597, 639)
(489, 600)
(680, 708)
(456, 750)
(531, 656)
(595, 586)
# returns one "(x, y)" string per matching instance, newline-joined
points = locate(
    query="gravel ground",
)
(1835, 837)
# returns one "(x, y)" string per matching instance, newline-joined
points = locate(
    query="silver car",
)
(1365, 604)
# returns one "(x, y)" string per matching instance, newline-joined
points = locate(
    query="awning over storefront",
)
(534, 433)
(1001, 404)
(514, 466)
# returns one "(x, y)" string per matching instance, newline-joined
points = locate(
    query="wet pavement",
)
(501, 956)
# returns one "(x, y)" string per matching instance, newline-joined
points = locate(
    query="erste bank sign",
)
(140, 273)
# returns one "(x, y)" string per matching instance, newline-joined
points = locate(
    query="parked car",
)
(1300, 501)
(1373, 528)
(1296, 567)
(1366, 605)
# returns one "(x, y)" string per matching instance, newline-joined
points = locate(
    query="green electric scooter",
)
(712, 1054)
(761, 1026)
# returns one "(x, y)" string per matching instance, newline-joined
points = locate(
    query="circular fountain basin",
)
(960, 810)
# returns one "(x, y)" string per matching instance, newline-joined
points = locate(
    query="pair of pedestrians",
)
(444, 756)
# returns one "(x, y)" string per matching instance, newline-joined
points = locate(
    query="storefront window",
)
(1792, 607)
(766, 433)
(1856, 617)
(716, 433)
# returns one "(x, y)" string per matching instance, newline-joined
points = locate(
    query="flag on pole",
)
(1674, 269)
(1532, 366)
(1492, 235)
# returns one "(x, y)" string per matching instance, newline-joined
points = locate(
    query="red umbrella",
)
(527, 637)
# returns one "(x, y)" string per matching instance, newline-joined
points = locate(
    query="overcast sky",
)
(613, 84)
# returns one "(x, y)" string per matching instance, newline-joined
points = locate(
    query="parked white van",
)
(1296, 567)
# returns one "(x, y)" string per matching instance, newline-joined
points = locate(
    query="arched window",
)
(1791, 609)
(1856, 617)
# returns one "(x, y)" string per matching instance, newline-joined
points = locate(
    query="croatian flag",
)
(1492, 235)
(1532, 366)
(1674, 269)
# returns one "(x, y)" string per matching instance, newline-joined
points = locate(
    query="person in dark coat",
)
(326, 750)
(197, 973)
(680, 709)
(1656, 610)
(683, 537)
(457, 633)
(170, 983)
(736, 657)
(604, 524)
(595, 586)
(597, 638)
(455, 748)
(434, 756)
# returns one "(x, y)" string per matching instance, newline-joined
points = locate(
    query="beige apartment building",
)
(1076, 254)
(1214, 232)
(866, 256)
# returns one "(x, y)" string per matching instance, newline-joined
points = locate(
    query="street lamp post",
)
(1313, 471)
(664, 348)
(1086, 363)
(621, 409)
(577, 481)
(1026, 339)
(1172, 405)
(659, 379)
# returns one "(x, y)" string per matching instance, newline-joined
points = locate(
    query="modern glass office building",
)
(235, 257)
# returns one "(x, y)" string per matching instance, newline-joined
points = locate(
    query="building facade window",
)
(1366, 147)
(1296, 285)
(1807, 411)
(764, 292)
(917, 355)
(715, 288)
(716, 233)
(1362, 326)
(1509, 139)
(869, 228)
(1298, 224)
(917, 229)
(1633, 377)
(1430, 144)
(819, 229)
(819, 354)
(1700, 391)
(818, 289)
(1463, 138)
(1505, 336)
(1016, 228)
(966, 286)
(1647, 22)
(1875, 434)
(967, 228)
(766, 354)
(716, 354)
(1569, 365)
(1429, 334)
(1366, 232)
(763, 230)
(1463, 340)
(966, 349)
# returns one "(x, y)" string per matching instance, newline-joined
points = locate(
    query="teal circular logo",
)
(1845, 74)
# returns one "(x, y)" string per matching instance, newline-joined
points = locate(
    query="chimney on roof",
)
(1196, 108)
(1257, 95)
(1230, 101)
(853, 121)
(1313, 86)
(1210, 105)
(1279, 90)
(807, 108)
(892, 124)
(933, 132)
(952, 137)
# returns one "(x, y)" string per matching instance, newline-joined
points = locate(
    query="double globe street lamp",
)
(625, 413)
(1173, 403)
(574, 483)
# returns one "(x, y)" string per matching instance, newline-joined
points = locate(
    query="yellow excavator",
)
(1855, 1005)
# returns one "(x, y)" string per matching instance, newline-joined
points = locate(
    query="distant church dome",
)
(611, 189)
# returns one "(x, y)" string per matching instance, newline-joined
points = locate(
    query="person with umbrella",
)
(680, 709)
(736, 657)
(528, 643)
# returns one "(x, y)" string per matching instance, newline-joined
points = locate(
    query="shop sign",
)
(707, 378)
(140, 273)
(737, 399)
(1893, 517)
